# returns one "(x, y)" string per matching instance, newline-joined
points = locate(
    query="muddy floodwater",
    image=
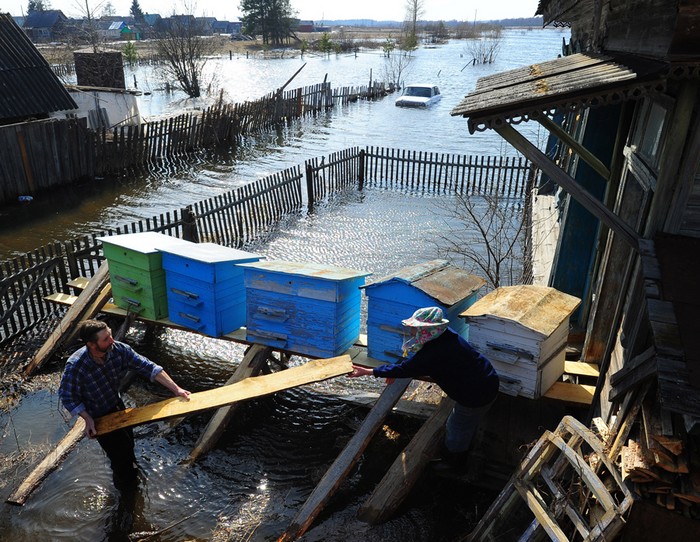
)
(277, 448)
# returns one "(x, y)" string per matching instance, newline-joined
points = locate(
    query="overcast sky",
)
(316, 10)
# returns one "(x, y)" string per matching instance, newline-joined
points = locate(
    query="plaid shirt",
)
(85, 385)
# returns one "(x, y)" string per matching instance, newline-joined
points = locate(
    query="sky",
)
(316, 10)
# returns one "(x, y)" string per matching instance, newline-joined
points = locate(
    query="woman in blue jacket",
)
(434, 351)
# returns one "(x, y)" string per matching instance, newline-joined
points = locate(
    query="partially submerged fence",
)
(239, 217)
(45, 154)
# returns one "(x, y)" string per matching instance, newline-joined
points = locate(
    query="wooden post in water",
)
(361, 170)
(310, 185)
(189, 225)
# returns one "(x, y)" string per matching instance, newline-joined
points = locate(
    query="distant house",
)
(19, 21)
(29, 88)
(227, 27)
(152, 19)
(206, 24)
(305, 26)
(45, 26)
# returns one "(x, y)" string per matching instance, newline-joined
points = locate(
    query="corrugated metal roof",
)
(28, 87)
(316, 270)
(572, 82)
(438, 279)
(539, 308)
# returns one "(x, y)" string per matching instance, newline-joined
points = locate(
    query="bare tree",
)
(484, 48)
(184, 49)
(396, 66)
(487, 237)
(414, 10)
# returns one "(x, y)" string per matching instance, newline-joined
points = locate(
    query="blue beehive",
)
(396, 297)
(307, 308)
(205, 287)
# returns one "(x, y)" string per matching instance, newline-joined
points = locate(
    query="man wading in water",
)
(90, 388)
(433, 350)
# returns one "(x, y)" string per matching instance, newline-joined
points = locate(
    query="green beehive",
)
(136, 271)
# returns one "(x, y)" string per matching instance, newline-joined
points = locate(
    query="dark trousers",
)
(119, 447)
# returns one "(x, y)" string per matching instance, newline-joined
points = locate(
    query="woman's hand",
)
(360, 371)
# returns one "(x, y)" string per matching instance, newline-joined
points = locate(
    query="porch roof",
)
(568, 83)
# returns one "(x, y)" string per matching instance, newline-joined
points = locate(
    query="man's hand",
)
(90, 430)
(180, 392)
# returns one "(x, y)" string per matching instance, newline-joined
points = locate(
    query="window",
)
(649, 129)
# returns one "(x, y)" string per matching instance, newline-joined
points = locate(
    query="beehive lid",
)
(315, 270)
(211, 253)
(144, 242)
(539, 308)
(437, 278)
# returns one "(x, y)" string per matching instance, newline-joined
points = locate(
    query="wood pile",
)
(662, 464)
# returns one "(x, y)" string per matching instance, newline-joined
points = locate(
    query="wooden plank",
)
(49, 463)
(72, 316)
(251, 365)
(571, 393)
(341, 467)
(404, 472)
(313, 371)
(581, 368)
(79, 282)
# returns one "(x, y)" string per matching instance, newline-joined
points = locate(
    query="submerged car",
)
(419, 96)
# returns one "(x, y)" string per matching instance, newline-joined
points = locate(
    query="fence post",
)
(361, 170)
(310, 185)
(189, 225)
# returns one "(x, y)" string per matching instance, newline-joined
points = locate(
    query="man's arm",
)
(164, 380)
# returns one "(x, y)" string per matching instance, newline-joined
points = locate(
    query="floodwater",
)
(277, 448)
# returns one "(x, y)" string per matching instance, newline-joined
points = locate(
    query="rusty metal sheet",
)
(539, 308)
(438, 279)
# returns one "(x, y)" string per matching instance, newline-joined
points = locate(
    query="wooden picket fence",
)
(241, 216)
(42, 155)
(444, 173)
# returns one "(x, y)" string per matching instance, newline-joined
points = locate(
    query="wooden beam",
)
(49, 463)
(582, 151)
(251, 365)
(313, 371)
(595, 207)
(571, 393)
(404, 472)
(341, 467)
(71, 318)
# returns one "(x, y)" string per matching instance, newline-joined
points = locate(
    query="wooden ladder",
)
(562, 489)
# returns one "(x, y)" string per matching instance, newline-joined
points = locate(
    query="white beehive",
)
(523, 331)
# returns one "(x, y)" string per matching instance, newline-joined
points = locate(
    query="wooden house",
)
(622, 108)
(396, 297)
(45, 26)
(309, 309)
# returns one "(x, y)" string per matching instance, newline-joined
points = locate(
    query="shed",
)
(205, 286)
(306, 308)
(396, 297)
(523, 330)
(136, 271)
